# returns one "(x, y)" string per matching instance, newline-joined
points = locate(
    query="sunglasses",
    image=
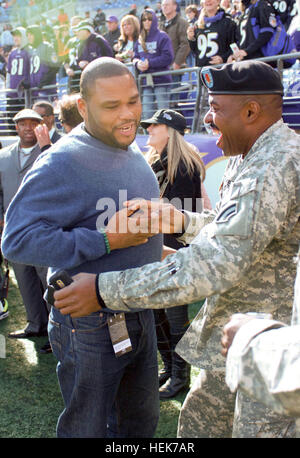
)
(146, 19)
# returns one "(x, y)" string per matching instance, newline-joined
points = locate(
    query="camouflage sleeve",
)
(247, 220)
(196, 222)
(265, 363)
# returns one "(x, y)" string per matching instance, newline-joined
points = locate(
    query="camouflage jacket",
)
(266, 365)
(241, 261)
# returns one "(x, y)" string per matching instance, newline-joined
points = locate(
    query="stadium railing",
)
(188, 96)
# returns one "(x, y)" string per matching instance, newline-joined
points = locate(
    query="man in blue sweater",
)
(59, 216)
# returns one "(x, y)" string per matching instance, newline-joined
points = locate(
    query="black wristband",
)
(100, 300)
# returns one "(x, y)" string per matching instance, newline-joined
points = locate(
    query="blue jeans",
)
(105, 396)
(155, 98)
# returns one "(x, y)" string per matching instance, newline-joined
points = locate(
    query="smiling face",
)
(147, 21)
(158, 136)
(226, 117)
(112, 110)
(128, 28)
(211, 6)
(25, 129)
(169, 8)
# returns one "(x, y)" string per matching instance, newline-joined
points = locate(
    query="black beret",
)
(169, 117)
(247, 77)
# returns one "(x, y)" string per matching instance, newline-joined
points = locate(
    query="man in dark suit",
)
(15, 161)
(46, 111)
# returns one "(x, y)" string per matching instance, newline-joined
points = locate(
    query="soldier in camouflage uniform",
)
(240, 256)
(263, 359)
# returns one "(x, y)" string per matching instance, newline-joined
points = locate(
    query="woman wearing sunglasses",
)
(153, 53)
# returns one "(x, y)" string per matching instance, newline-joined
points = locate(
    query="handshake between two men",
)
(131, 226)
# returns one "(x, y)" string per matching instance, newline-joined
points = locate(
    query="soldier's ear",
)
(252, 110)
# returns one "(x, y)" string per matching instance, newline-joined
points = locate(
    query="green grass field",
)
(29, 391)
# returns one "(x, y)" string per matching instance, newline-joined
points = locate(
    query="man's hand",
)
(42, 135)
(70, 72)
(83, 63)
(79, 298)
(123, 231)
(156, 217)
(231, 328)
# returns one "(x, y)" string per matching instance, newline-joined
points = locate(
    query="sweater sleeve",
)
(42, 223)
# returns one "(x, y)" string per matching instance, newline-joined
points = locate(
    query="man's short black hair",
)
(44, 104)
(103, 67)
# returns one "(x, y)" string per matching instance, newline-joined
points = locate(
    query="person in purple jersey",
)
(44, 63)
(91, 45)
(153, 53)
(18, 75)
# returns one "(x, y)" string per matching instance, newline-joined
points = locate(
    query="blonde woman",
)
(130, 30)
(180, 172)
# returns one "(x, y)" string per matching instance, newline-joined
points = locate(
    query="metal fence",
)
(185, 94)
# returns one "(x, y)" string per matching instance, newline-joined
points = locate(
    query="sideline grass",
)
(30, 397)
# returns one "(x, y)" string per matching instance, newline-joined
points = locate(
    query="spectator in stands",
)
(284, 10)
(153, 53)
(87, 17)
(130, 30)
(62, 40)
(62, 18)
(71, 65)
(294, 31)
(133, 10)
(211, 36)
(44, 63)
(192, 13)
(113, 34)
(235, 10)
(47, 29)
(180, 171)
(46, 111)
(6, 38)
(18, 75)
(69, 116)
(99, 22)
(261, 13)
(15, 161)
(159, 14)
(4, 53)
(175, 26)
(226, 5)
(91, 45)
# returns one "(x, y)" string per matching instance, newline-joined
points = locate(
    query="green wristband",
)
(106, 241)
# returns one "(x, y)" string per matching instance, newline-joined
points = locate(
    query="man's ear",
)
(81, 105)
(252, 110)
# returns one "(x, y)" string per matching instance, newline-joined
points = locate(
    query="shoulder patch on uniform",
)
(227, 213)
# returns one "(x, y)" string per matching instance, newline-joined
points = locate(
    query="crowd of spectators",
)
(161, 37)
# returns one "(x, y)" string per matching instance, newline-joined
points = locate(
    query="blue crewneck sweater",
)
(70, 192)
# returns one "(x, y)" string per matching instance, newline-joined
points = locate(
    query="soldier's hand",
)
(231, 328)
(123, 231)
(156, 217)
(79, 298)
